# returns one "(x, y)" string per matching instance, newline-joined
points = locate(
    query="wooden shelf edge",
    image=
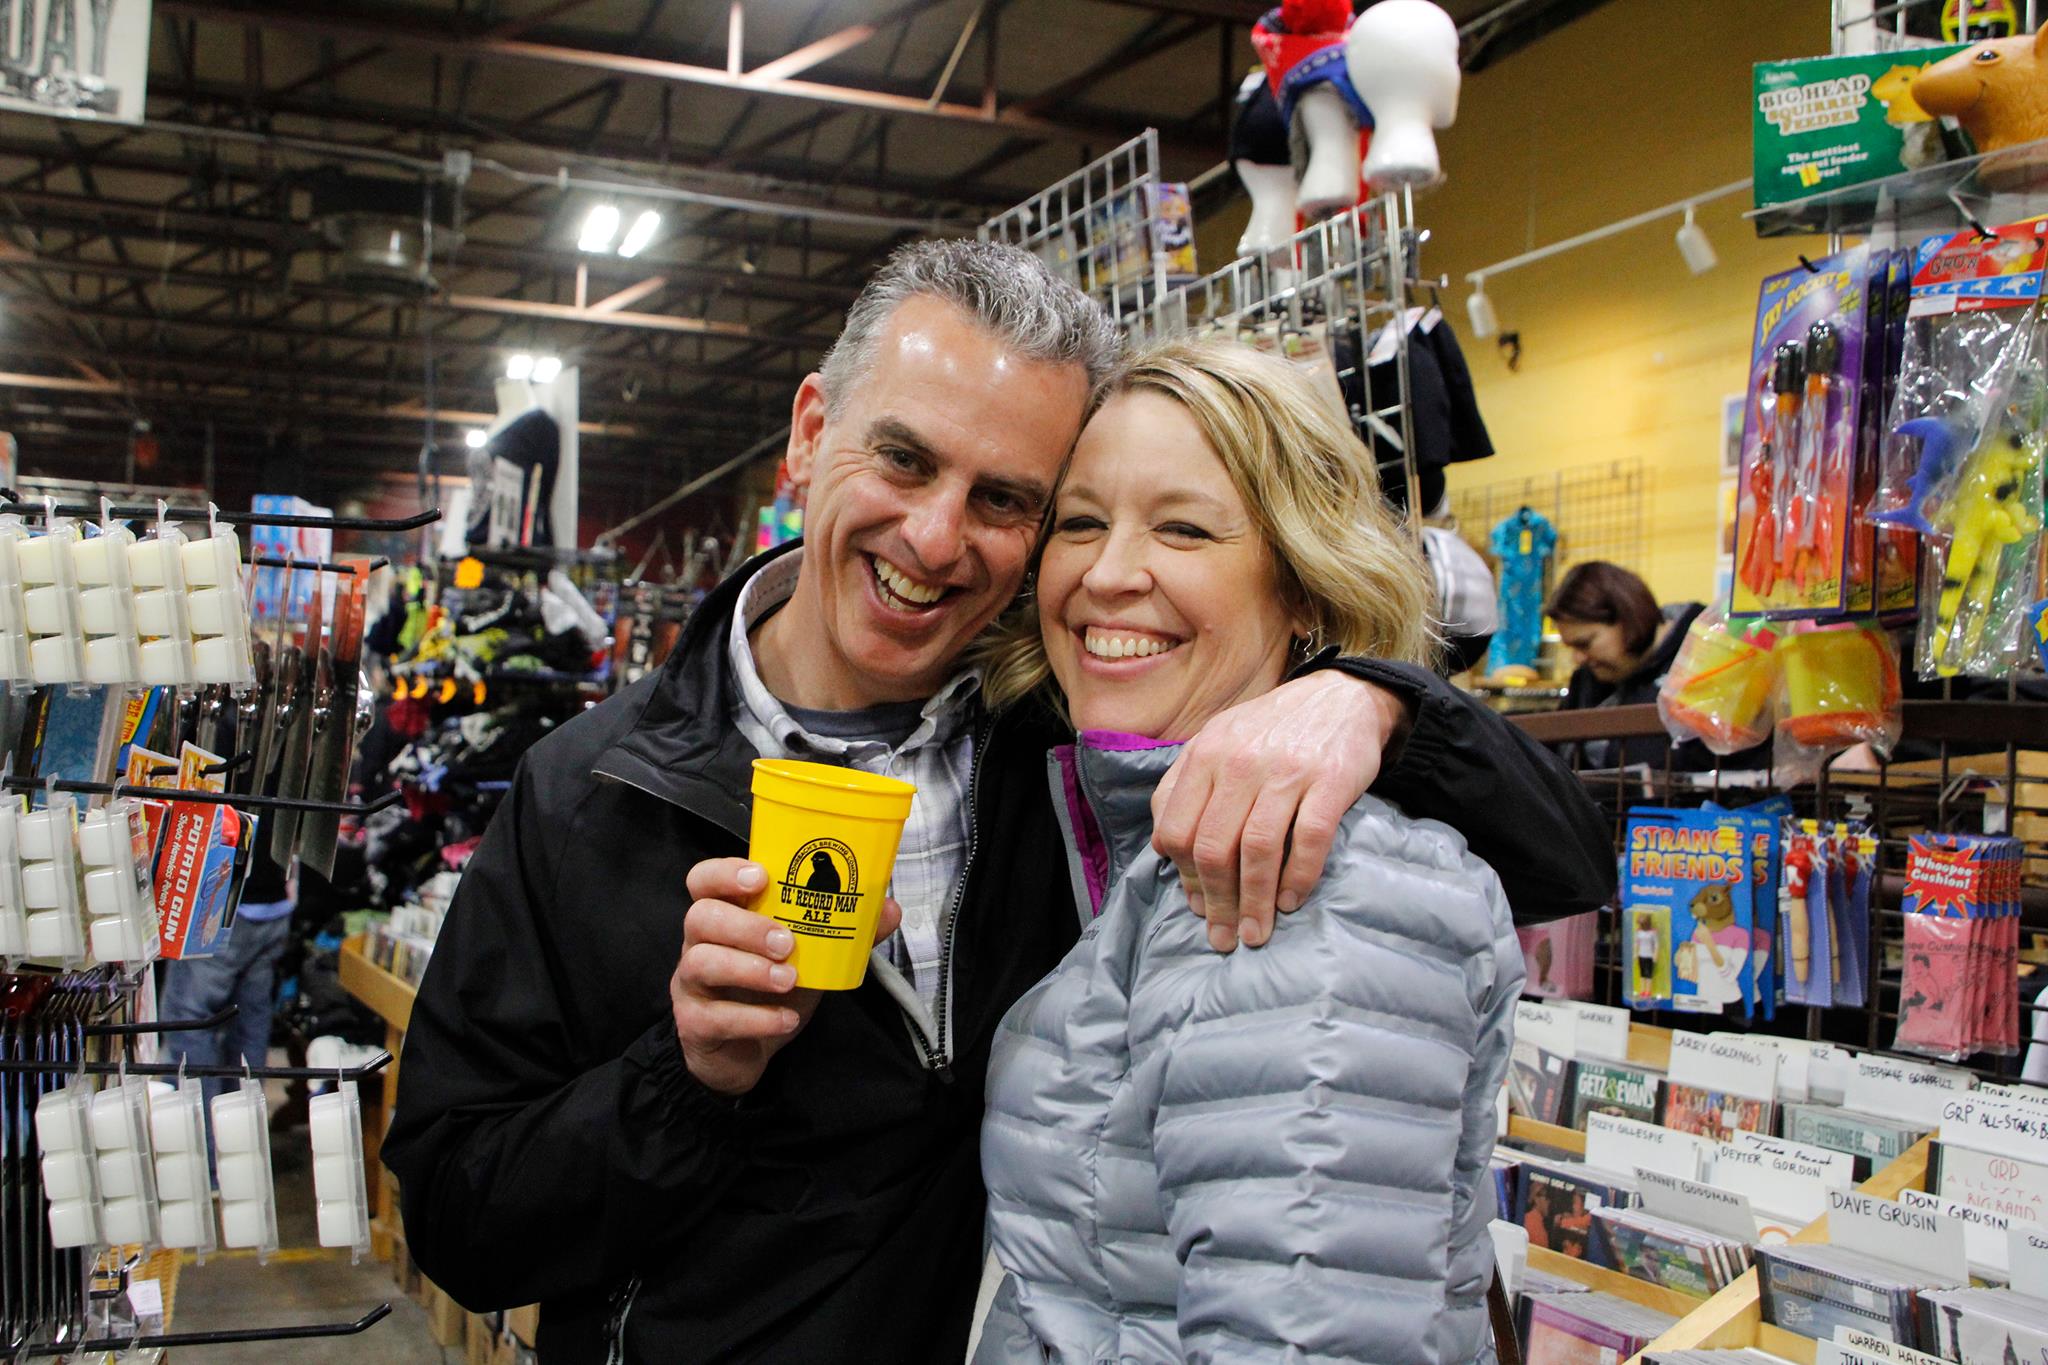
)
(1614, 1282)
(388, 997)
(1733, 1318)
(1546, 1134)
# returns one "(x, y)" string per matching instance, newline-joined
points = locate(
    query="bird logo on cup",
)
(823, 882)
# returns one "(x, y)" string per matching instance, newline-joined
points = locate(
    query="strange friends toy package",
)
(1687, 911)
(1962, 464)
(1799, 437)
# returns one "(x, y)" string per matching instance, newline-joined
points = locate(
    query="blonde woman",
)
(1278, 1153)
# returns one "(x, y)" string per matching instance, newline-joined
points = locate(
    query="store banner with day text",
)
(75, 58)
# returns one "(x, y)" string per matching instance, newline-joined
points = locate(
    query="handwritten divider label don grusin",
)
(1728, 1065)
(1553, 1028)
(1725, 1213)
(1907, 1090)
(1987, 1123)
(1602, 1031)
(1895, 1232)
(1619, 1144)
(1986, 1235)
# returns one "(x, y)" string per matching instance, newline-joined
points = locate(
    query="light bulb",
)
(1479, 308)
(641, 233)
(474, 438)
(1694, 246)
(519, 365)
(546, 368)
(599, 227)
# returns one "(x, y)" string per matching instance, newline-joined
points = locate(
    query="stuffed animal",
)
(1998, 92)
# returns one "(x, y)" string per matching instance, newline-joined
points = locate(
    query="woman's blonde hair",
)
(1344, 563)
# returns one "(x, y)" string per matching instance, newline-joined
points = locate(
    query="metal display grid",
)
(1599, 511)
(1980, 766)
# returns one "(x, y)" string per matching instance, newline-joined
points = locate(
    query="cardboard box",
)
(480, 1341)
(1825, 123)
(447, 1323)
(523, 1323)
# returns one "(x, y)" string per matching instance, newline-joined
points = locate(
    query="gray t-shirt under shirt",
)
(890, 723)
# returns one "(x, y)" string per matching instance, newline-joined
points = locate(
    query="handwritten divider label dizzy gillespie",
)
(1891, 1231)
(1725, 1213)
(1620, 1144)
(1724, 1064)
(1907, 1090)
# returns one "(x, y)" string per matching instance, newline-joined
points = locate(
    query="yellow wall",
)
(1624, 352)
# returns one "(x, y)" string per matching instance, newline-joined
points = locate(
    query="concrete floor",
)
(303, 1283)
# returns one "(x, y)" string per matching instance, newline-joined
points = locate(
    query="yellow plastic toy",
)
(1988, 513)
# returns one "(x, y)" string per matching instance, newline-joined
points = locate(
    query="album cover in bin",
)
(1870, 1138)
(1715, 1114)
(1984, 1326)
(1539, 1083)
(1589, 1329)
(1557, 1201)
(1628, 1092)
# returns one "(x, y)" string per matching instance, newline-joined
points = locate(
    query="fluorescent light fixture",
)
(641, 233)
(599, 227)
(545, 368)
(1479, 308)
(1694, 246)
(474, 438)
(519, 365)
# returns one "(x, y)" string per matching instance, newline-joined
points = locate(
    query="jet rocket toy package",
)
(1687, 910)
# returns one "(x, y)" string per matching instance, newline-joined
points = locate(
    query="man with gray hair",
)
(612, 1100)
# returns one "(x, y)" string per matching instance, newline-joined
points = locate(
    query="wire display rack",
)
(1599, 510)
(1977, 766)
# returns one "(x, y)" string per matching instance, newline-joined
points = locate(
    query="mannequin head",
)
(1258, 152)
(1403, 56)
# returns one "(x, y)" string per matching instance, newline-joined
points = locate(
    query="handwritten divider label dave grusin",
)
(1551, 1027)
(1619, 1144)
(1602, 1031)
(1895, 1232)
(1725, 1064)
(1987, 1123)
(1986, 1235)
(1706, 1207)
(1907, 1090)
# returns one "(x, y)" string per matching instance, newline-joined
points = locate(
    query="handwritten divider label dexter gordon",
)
(1724, 1064)
(1786, 1186)
(1895, 1232)
(1837, 1168)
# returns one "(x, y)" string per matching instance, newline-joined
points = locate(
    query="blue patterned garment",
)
(1523, 543)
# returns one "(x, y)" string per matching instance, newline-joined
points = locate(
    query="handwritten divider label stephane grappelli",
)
(1904, 1090)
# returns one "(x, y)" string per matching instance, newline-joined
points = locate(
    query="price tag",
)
(1729, 1065)
(1709, 1208)
(1615, 1143)
(1901, 1234)
(1602, 1031)
(1553, 1028)
(1907, 1090)
(1990, 1124)
(2027, 1254)
(146, 1297)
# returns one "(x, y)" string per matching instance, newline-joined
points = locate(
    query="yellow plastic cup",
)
(827, 837)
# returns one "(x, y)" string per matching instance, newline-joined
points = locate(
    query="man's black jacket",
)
(551, 1146)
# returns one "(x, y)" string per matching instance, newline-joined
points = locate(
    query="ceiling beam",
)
(331, 21)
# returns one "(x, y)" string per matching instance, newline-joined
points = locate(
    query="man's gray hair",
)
(1005, 289)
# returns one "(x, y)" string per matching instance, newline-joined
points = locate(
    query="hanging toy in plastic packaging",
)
(1720, 687)
(1842, 688)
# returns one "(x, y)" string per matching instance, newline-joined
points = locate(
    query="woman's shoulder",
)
(1418, 877)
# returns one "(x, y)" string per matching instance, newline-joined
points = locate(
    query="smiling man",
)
(611, 1099)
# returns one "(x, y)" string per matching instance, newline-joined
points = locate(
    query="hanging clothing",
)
(1523, 542)
(1443, 407)
(516, 470)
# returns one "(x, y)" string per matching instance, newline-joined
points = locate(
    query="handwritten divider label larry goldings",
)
(1729, 1065)
(1895, 1232)
(1619, 1144)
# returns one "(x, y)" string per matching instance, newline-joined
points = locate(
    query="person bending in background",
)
(1624, 644)
(242, 973)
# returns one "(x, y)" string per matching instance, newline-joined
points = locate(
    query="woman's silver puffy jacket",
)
(1273, 1155)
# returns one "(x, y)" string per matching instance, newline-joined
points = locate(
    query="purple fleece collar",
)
(1117, 742)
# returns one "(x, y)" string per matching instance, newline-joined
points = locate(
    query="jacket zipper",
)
(939, 1060)
(615, 1323)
